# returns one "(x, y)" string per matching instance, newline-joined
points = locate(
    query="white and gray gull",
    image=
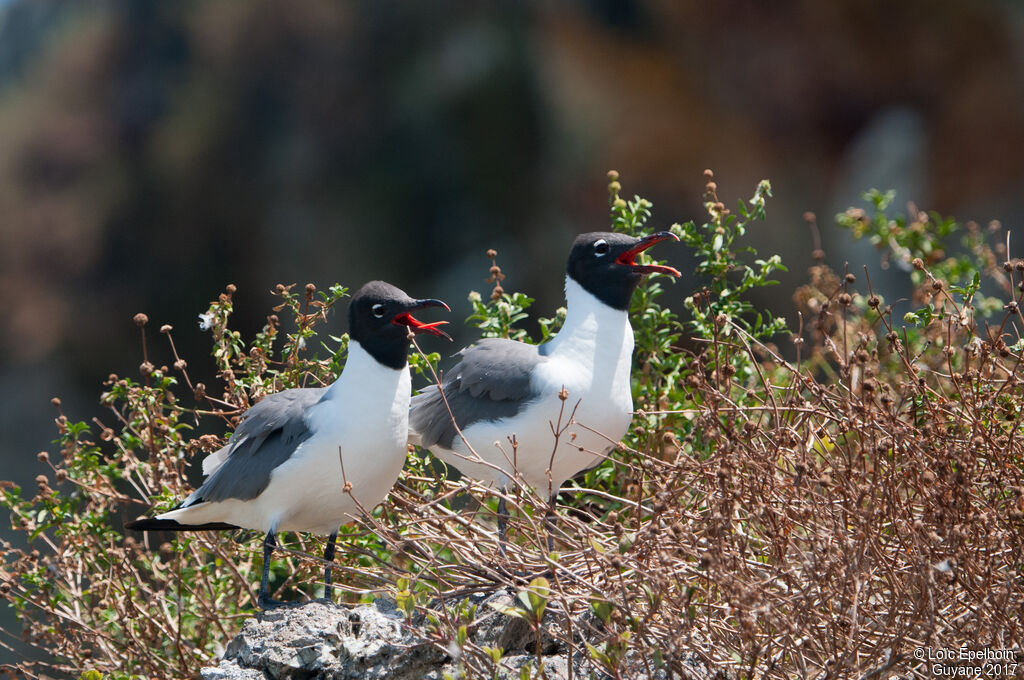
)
(286, 465)
(502, 388)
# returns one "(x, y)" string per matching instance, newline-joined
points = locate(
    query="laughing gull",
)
(289, 464)
(502, 388)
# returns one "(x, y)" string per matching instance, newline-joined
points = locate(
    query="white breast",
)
(360, 429)
(591, 359)
(362, 426)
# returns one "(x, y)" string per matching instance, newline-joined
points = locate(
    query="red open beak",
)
(646, 242)
(417, 326)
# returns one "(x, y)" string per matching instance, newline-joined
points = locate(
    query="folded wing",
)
(491, 381)
(267, 436)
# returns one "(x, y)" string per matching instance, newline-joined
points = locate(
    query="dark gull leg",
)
(502, 521)
(550, 521)
(263, 600)
(329, 560)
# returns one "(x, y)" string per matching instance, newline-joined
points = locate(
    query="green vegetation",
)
(818, 512)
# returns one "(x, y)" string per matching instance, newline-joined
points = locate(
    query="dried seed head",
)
(231, 288)
(918, 264)
(850, 278)
(845, 299)
(61, 475)
(873, 302)
(146, 368)
(492, 253)
(140, 319)
(310, 289)
(708, 175)
(180, 364)
(166, 328)
(43, 456)
(613, 175)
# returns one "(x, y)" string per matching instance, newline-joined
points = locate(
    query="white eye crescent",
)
(600, 247)
(378, 310)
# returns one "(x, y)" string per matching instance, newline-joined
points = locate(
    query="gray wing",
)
(491, 381)
(269, 433)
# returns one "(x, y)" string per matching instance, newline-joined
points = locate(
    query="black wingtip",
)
(153, 524)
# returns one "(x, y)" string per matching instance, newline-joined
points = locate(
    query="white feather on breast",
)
(365, 415)
(591, 358)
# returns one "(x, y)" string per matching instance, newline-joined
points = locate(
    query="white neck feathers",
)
(361, 373)
(589, 323)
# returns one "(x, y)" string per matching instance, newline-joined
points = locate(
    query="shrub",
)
(821, 510)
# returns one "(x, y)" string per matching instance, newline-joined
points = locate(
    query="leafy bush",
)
(816, 513)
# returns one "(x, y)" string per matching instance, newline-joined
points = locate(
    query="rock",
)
(325, 641)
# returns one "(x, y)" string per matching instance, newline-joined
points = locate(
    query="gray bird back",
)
(492, 381)
(267, 437)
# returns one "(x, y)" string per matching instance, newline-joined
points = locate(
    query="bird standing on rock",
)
(503, 390)
(310, 459)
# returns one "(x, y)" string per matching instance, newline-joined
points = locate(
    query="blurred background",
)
(152, 152)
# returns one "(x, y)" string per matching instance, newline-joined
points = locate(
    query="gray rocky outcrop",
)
(321, 640)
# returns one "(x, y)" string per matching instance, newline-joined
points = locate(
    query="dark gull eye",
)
(378, 310)
(600, 247)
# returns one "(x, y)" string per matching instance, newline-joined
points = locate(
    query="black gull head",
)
(380, 319)
(602, 263)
